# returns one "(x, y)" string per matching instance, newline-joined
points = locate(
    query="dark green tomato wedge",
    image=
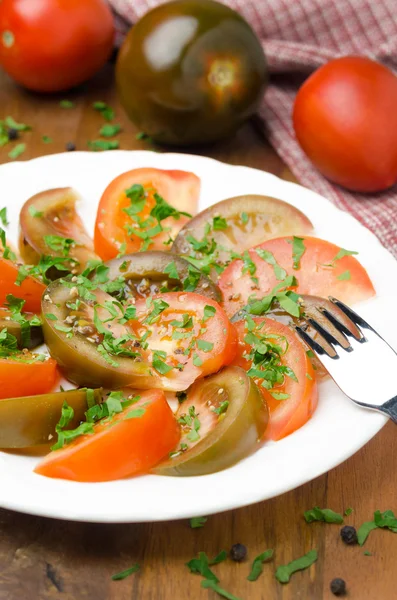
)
(223, 419)
(80, 348)
(149, 273)
(27, 337)
(31, 420)
(235, 225)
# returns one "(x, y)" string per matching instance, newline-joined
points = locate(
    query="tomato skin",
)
(30, 290)
(286, 416)
(345, 121)
(26, 379)
(128, 447)
(53, 45)
(180, 188)
(314, 276)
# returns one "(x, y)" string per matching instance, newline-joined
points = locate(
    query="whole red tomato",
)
(53, 45)
(345, 119)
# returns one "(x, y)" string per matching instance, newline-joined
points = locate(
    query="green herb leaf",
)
(268, 257)
(219, 223)
(364, 531)
(97, 145)
(244, 218)
(106, 111)
(204, 345)
(298, 250)
(342, 253)
(197, 360)
(345, 276)
(171, 271)
(209, 312)
(66, 104)
(257, 565)
(200, 566)
(284, 572)
(12, 124)
(280, 396)
(34, 212)
(109, 130)
(322, 514)
(46, 139)
(348, 511)
(17, 151)
(367, 553)
(192, 279)
(159, 306)
(209, 583)
(197, 522)
(135, 413)
(3, 216)
(126, 573)
(160, 366)
(218, 558)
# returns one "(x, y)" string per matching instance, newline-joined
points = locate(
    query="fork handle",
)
(390, 408)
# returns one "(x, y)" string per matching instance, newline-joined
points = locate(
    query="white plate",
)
(337, 429)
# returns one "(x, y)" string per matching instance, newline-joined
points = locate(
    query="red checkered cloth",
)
(298, 36)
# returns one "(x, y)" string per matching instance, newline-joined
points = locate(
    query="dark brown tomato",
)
(149, 273)
(190, 71)
(47, 220)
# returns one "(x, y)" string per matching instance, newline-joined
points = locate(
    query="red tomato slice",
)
(319, 274)
(192, 336)
(30, 290)
(26, 379)
(181, 189)
(131, 442)
(291, 413)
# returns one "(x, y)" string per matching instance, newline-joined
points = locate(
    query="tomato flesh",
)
(179, 188)
(319, 274)
(26, 378)
(130, 443)
(291, 413)
(30, 290)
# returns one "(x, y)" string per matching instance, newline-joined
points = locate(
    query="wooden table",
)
(43, 559)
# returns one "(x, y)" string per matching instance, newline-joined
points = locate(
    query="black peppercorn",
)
(349, 534)
(70, 147)
(12, 134)
(238, 552)
(338, 586)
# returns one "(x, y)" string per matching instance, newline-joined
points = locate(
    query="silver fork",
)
(361, 361)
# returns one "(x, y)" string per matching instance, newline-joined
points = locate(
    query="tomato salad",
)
(177, 330)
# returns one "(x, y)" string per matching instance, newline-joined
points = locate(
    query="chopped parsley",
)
(323, 514)
(257, 565)
(219, 223)
(385, 520)
(286, 298)
(159, 364)
(244, 218)
(8, 344)
(202, 564)
(12, 124)
(345, 276)
(191, 281)
(284, 572)
(3, 216)
(268, 257)
(34, 212)
(197, 361)
(67, 436)
(46, 139)
(197, 522)
(123, 574)
(348, 511)
(298, 250)
(191, 424)
(159, 306)
(209, 583)
(106, 111)
(15, 306)
(109, 130)
(59, 244)
(97, 145)
(66, 104)
(342, 253)
(17, 151)
(209, 312)
(171, 270)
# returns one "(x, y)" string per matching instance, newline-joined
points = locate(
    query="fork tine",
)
(352, 315)
(312, 343)
(341, 327)
(328, 336)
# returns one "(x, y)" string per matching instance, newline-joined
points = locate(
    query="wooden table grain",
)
(44, 559)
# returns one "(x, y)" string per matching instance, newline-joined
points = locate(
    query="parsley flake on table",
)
(3, 217)
(98, 145)
(12, 124)
(66, 104)
(109, 130)
(322, 514)
(17, 151)
(284, 572)
(106, 111)
(123, 574)
(47, 139)
(298, 250)
(385, 520)
(348, 511)
(257, 565)
(208, 583)
(197, 522)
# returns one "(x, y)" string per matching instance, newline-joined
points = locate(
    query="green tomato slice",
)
(223, 419)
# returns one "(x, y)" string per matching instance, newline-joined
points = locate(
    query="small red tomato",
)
(345, 119)
(53, 45)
